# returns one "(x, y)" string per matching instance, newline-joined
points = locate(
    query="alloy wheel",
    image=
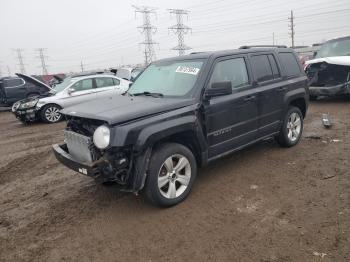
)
(293, 127)
(174, 176)
(52, 114)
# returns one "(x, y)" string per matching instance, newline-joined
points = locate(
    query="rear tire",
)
(292, 128)
(50, 114)
(172, 172)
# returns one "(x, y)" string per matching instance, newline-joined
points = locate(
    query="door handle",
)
(248, 98)
(280, 89)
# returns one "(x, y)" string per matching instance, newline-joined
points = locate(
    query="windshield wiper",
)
(146, 93)
(127, 93)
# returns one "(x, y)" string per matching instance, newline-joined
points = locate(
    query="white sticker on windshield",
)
(187, 70)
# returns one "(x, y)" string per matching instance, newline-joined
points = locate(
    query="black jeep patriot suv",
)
(182, 113)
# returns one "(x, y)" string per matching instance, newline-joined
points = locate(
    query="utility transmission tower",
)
(292, 26)
(42, 58)
(8, 70)
(148, 30)
(82, 66)
(20, 60)
(180, 30)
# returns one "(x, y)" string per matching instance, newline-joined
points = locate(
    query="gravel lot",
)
(263, 204)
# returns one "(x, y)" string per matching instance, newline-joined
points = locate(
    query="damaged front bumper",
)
(26, 115)
(128, 174)
(341, 89)
(62, 155)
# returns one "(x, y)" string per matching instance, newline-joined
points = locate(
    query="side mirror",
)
(219, 89)
(70, 90)
(314, 55)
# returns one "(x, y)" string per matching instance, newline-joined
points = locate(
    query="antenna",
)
(148, 30)
(180, 30)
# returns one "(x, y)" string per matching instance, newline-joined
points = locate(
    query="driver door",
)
(231, 120)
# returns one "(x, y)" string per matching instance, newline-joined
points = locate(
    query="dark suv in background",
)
(13, 89)
(182, 113)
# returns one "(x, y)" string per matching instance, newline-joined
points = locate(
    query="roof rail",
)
(193, 53)
(252, 46)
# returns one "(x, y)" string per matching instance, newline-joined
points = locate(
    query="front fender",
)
(153, 133)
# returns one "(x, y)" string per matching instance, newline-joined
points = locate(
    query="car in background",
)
(329, 71)
(13, 89)
(72, 91)
(129, 73)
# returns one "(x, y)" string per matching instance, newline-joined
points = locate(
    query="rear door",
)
(231, 120)
(270, 91)
(83, 91)
(106, 86)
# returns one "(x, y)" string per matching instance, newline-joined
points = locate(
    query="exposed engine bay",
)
(328, 79)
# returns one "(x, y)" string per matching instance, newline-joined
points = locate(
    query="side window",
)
(290, 64)
(275, 71)
(13, 82)
(116, 82)
(81, 85)
(104, 82)
(261, 67)
(234, 70)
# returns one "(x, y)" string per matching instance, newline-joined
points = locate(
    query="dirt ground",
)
(263, 204)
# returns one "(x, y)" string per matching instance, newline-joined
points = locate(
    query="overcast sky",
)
(104, 33)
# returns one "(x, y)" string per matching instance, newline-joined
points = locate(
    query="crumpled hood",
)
(335, 60)
(117, 109)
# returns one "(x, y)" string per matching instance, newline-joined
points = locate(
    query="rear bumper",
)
(62, 155)
(341, 89)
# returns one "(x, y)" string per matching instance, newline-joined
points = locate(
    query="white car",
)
(329, 71)
(72, 91)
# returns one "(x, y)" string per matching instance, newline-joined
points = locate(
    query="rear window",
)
(13, 82)
(262, 68)
(290, 64)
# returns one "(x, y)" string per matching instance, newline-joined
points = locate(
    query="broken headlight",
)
(29, 104)
(101, 137)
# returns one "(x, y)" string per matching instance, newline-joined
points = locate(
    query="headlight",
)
(101, 137)
(29, 104)
(15, 106)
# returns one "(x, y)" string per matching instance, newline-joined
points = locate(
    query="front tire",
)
(292, 128)
(51, 114)
(172, 172)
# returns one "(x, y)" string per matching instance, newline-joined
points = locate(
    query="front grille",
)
(79, 146)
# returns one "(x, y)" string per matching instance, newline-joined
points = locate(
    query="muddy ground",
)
(263, 204)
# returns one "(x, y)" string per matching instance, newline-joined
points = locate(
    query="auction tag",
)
(187, 70)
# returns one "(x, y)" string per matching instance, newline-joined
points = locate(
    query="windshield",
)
(66, 82)
(334, 48)
(168, 78)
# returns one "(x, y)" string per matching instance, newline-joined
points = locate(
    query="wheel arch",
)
(299, 103)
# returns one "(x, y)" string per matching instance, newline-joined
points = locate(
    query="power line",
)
(148, 30)
(180, 30)
(20, 60)
(42, 58)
